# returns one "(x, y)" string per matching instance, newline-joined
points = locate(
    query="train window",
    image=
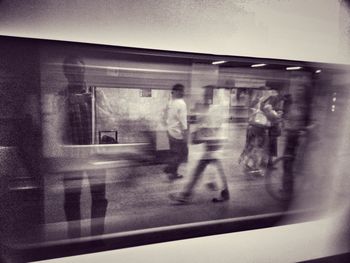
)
(107, 147)
(132, 113)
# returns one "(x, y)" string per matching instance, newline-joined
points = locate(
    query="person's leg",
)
(272, 147)
(184, 151)
(184, 196)
(177, 154)
(171, 154)
(263, 147)
(72, 191)
(247, 146)
(256, 143)
(224, 194)
(221, 171)
(248, 154)
(202, 164)
(97, 180)
(292, 142)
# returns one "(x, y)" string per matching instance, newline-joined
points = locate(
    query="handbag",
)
(259, 117)
(197, 137)
(202, 135)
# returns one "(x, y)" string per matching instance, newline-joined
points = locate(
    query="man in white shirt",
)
(177, 131)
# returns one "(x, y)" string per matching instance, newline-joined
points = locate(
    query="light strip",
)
(258, 65)
(218, 62)
(318, 71)
(293, 68)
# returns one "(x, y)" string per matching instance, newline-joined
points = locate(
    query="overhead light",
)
(318, 71)
(293, 68)
(218, 62)
(258, 65)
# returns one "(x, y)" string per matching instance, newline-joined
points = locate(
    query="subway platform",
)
(139, 203)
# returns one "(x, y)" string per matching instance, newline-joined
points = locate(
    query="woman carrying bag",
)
(254, 155)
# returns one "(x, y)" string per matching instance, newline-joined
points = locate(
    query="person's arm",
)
(269, 110)
(182, 115)
(164, 116)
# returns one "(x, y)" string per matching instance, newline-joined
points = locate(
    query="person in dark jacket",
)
(79, 132)
(274, 131)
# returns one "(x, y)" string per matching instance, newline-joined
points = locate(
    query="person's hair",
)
(208, 94)
(179, 89)
(209, 88)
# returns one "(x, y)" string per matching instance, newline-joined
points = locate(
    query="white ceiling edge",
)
(303, 30)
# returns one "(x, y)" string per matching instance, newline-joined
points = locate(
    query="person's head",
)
(178, 91)
(74, 69)
(208, 94)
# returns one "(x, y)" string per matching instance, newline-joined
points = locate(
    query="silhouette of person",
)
(297, 115)
(176, 121)
(78, 103)
(257, 149)
(274, 131)
(211, 134)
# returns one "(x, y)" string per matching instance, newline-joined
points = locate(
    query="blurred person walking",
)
(176, 122)
(210, 133)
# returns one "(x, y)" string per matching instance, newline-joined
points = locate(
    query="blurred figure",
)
(255, 154)
(176, 121)
(211, 134)
(297, 119)
(78, 103)
(275, 130)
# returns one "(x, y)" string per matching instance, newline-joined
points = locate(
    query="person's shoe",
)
(224, 196)
(173, 177)
(180, 199)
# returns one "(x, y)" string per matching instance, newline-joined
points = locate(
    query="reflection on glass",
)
(84, 151)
